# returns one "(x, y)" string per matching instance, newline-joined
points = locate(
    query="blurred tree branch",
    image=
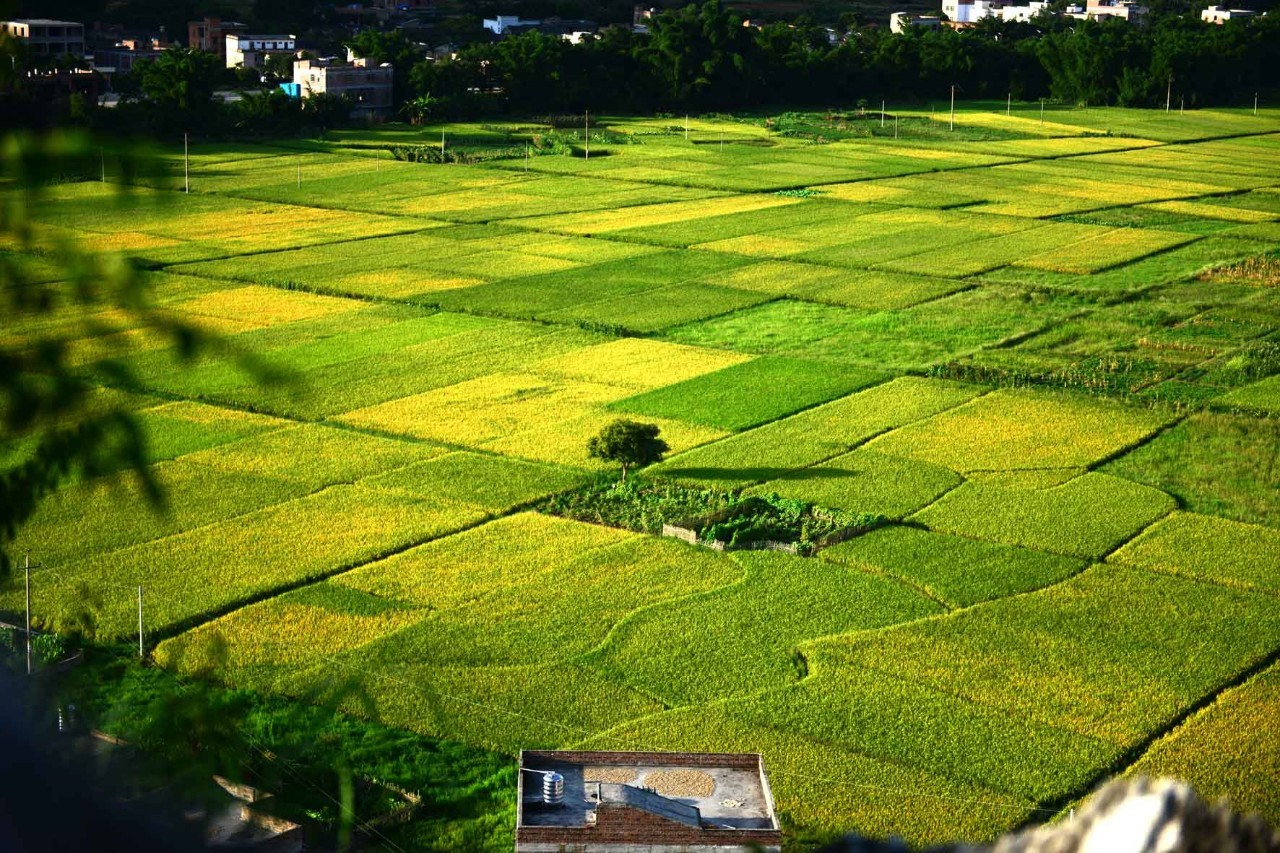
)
(55, 296)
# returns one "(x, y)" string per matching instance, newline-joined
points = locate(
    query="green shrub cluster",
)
(641, 504)
(48, 648)
(437, 154)
(771, 517)
(646, 504)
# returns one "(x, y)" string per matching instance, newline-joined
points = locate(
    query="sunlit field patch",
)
(748, 393)
(264, 306)
(954, 569)
(564, 440)
(484, 409)
(1228, 749)
(638, 363)
(865, 481)
(1094, 500)
(1208, 548)
(912, 337)
(821, 433)
(194, 574)
(1088, 516)
(1008, 430)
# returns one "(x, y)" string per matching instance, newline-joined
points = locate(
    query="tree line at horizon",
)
(701, 58)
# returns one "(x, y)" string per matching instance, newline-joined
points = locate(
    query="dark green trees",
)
(628, 443)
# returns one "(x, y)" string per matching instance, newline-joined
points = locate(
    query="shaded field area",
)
(1045, 363)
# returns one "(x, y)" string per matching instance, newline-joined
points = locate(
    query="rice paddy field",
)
(1045, 359)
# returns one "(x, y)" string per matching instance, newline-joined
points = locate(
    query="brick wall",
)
(620, 824)
(735, 760)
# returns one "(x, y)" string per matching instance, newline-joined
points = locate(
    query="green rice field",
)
(1032, 360)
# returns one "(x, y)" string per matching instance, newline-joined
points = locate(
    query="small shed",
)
(622, 802)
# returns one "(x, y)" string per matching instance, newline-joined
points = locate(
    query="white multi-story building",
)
(967, 12)
(1023, 13)
(44, 37)
(503, 23)
(248, 51)
(366, 84)
(1221, 14)
(970, 11)
(1125, 10)
(900, 22)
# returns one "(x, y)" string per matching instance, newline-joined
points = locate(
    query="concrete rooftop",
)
(739, 798)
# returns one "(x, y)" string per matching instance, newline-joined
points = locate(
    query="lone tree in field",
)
(628, 443)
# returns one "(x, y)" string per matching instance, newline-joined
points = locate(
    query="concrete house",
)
(210, 34)
(249, 51)
(501, 25)
(1125, 10)
(900, 22)
(657, 802)
(367, 85)
(1221, 14)
(44, 37)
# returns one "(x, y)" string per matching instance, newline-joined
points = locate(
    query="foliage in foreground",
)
(45, 397)
(298, 752)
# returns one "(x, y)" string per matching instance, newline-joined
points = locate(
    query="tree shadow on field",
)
(346, 694)
(758, 474)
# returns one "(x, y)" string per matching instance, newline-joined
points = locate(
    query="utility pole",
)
(586, 133)
(441, 146)
(186, 161)
(141, 653)
(953, 106)
(882, 112)
(27, 564)
(1008, 105)
(1168, 94)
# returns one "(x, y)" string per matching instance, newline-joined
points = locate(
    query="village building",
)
(1125, 10)
(1023, 13)
(966, 13)
(118, 49)
(46, 38)
(210, 34)
(250, 51)
(1221, 14)
(367, 85)
(501, 25)
(619, 802)
(900, 22)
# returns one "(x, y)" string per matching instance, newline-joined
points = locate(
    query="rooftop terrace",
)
(697, 800)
